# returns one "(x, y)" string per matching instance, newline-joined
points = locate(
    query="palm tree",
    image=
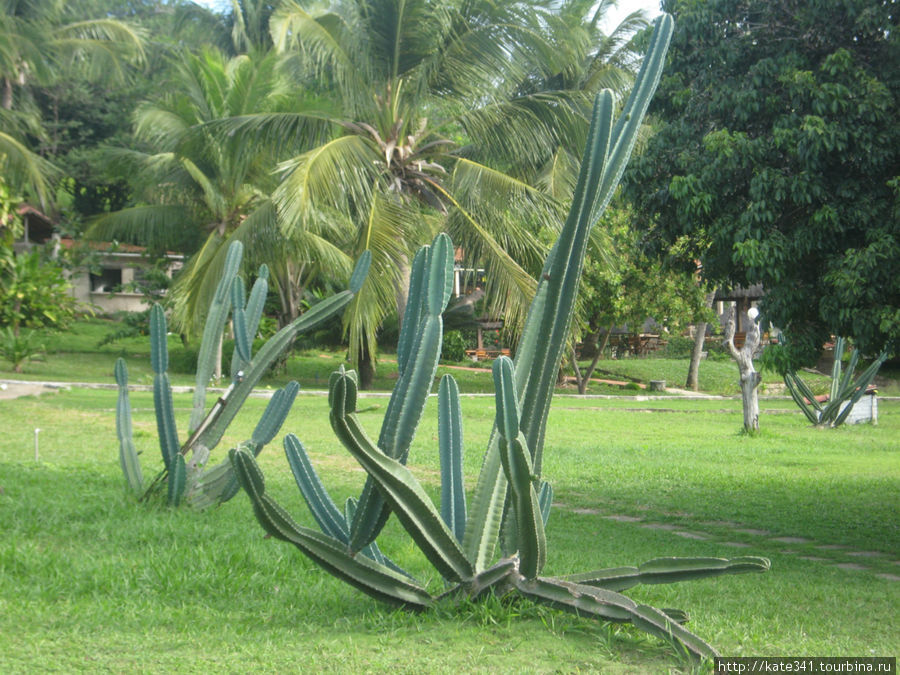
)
(41, 40)
(442, 116)
(200, 192)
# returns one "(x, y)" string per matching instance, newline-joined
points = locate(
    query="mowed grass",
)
(90, 580)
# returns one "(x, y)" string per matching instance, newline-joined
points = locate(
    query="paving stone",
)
(621, 519)
(590, 512)
(756, 533)
(865, 554)
(788, 552)
(735, 544)
(792, 540)
(813, 558)
(851, 566)
(721, 523)
(889, 577)
(830, 547)
(659, 526)
(692, 535)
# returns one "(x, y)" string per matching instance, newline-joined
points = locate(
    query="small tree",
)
(627, 288)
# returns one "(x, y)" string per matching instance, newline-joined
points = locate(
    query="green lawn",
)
(89, 580)
(73, 356)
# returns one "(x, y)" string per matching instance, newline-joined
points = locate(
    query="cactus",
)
(128, 458)
(844, 392)
(459, 539)
(185, 465)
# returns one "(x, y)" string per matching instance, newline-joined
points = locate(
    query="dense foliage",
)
(778, 160)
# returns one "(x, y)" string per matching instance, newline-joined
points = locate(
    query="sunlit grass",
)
(89, 580)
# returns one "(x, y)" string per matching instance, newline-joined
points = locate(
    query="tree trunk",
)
(750, 379)
(693, 378)
(366, 368)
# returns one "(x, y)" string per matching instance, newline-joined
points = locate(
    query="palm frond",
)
(23, 169)
(337, 174)
(155, 226)
(547, 119)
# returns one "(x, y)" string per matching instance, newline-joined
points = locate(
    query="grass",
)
(89, 580)
(74, 356)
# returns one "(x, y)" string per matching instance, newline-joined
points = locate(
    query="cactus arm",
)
(218, 484)
(794, 388)
(246, 319)
(128, 458)
(628, 125)
(656, 622)
(257, 300)
(159, 349)
(420, 362)
(844, 389)
(177, 479)
(165, 418)
(545, 499)
(407, 402)
(321, 506)
(453, 495)
(212, 332)
(541, 345)
(242, 339)
(162, 392)
(576, 598)
(836, 369)
(860, 387)
(375, 580)
(669, 570)
(213, 428)
(414, 308)
(398, 486)
(275, 413)
(611, 606)
(529, 525)
(847, 379)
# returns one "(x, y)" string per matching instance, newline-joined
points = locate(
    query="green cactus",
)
(185, 470)
(845, 392)
(459, 539)
(128, 458)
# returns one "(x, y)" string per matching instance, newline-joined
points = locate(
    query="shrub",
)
(454, 346)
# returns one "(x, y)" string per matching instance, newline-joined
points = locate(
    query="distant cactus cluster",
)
(510, 505)
(844, 393)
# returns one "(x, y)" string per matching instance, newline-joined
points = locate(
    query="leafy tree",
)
(40, 42)
(778, 160)
(627, 290)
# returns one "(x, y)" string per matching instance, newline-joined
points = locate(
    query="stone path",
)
(878, 563)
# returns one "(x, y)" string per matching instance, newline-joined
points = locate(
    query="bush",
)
(19, 349)
(454, 347)
(677, 347)
(33, 292)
